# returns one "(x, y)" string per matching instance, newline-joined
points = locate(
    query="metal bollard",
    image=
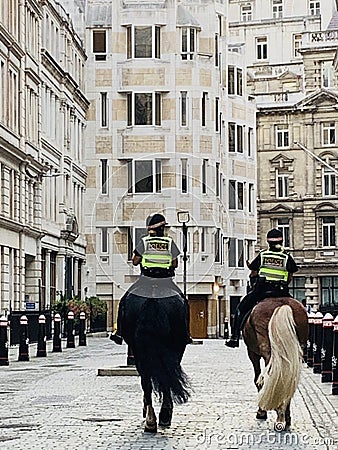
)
(327, 344)
(82, 331)
(317, 343)
(57, 347)
(41, 351)
(3, 341)
(226, 328)
(335, 358)
(311, 319)
(130, 357)
(70, 330)
(24, 340)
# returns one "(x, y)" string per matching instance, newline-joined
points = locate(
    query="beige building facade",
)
(170, 128)
(42, 176)
(292, 75)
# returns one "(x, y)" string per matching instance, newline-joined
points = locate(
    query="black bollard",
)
(41, 351)
(130, 357)
(57, 347)
(309, 359)
(226, 328)
(70, 330)
(327, 344)
(335, 358)
(3, 341)
(24, 340)
(82, 330)
(317, 344)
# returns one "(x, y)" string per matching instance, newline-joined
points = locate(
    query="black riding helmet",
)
(274, 237)
(155, 221)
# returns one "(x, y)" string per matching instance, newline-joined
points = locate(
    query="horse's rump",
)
(155, 329)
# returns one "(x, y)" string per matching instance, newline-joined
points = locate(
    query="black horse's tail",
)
(158, 353)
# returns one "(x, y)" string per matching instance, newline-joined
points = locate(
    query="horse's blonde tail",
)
(280, 378)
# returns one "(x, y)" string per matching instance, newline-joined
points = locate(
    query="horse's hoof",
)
(144, 412)
(261, 414)
(279, 426)
(150, 428)
(164, 418)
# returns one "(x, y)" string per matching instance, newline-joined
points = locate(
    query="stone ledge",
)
(118, 371)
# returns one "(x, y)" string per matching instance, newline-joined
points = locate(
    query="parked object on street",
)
(276, 331)
(335, 358)
(3, 341)
(317, 342)
(70, 330)
(57, 347)
(82, 329)
(24, 340)
(311, 320)
(326, 351)
(41, 350)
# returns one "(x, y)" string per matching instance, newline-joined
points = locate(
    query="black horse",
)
(154, 327)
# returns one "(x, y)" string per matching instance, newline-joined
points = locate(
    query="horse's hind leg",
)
(255, 359)
(148, 410)
(166, 411)
(288, 416)
(280, 424)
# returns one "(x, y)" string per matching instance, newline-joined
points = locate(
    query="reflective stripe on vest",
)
(157, 252)
(273, 266)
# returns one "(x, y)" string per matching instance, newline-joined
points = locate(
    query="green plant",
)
(96, 306)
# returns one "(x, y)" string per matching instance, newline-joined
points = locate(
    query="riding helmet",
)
(274, 236)
(155, 221)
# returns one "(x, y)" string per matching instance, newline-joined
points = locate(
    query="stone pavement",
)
(59, 402)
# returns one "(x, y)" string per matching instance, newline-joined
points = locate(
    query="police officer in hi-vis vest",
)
(157, 256)
(271, 272)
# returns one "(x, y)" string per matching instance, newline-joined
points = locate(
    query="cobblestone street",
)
(59, 402)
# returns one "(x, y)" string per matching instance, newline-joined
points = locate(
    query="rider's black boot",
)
(233, 342)
(116, 338)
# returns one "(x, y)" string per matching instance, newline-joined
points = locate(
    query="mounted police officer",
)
(157, 256)
(271, 272)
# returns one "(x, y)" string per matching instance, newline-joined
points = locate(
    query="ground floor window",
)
(329, 291)
(297, 288)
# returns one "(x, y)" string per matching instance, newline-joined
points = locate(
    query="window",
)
(203, 112)
(282, 185)
(282, 136)
(103, 110)
(236, 252)
(231, 80)
(134, 235)
(297, 288)
(284, 226)
(314, 7)
(261, 48)
(104, 176)
(217, 115)
(144, 109)
(144, 176)
(216, 50)
(236, 194)
(246, 13)
(232, 137)
(217, 180)
(99, 45)
(13, 100)
(240, 253)
(297, 42)
(3, 92)
(52, 286)
(329, 133)
(203, 239)
(327, 74)
(277, 9)
(143, 41)
(184, 108)
(329, 291)
(239, 138)
(328, 232)
(251, 198)
(204, 176)
(184, 176)
(328, 183)
(217, 245)
(250, 141)
(239, 83)
(104, 240)
(188, 42)
(232, 252)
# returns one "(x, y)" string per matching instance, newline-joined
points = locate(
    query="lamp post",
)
(183, 217)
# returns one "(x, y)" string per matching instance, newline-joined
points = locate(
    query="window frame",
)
(327, 129)
(261, 48)
(246, 12)
(328, 229)
(283, 224)
(282, 185)
(100, 55)
(277, 9)
(282, 136)
(156, 176)
(156, 109)
(314, 8)
(131, 44)
(188, 43)
(328, 182)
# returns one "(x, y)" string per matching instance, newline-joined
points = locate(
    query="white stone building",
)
(170, 128)
(42, 176)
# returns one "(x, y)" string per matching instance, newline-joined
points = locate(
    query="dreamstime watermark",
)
(209, 437)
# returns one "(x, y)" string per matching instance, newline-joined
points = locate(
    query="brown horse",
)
(276, 330)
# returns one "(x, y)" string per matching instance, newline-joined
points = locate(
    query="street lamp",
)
(183, 217)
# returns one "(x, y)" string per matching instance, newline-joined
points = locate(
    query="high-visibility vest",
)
(273, 266)
(157, 252)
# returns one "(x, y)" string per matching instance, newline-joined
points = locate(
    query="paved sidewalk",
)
(59, 402)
